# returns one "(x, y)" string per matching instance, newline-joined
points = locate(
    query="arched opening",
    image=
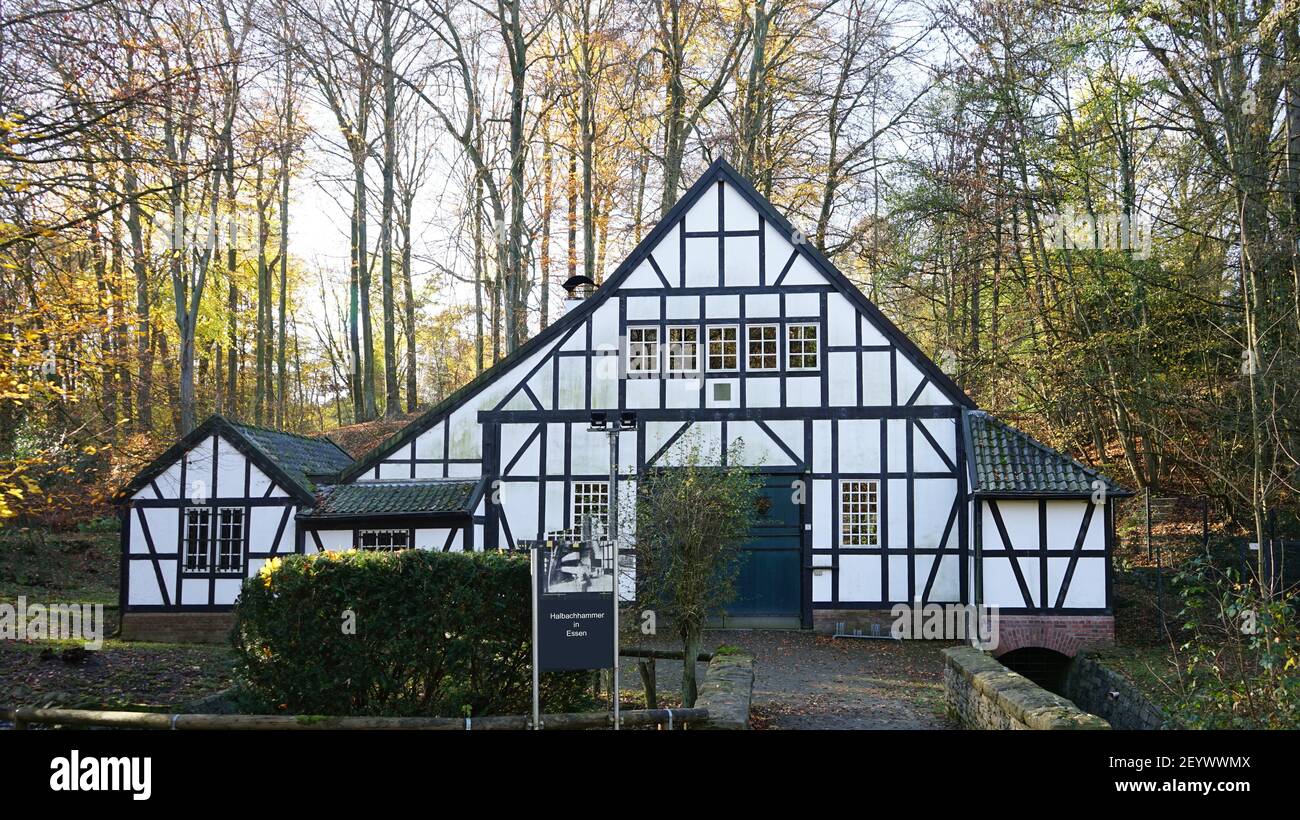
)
(1045, 667)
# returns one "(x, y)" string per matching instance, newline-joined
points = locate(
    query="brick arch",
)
(1067, 634)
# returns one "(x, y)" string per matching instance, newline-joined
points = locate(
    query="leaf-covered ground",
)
(77, 568)
(135, 676)
(808, 681)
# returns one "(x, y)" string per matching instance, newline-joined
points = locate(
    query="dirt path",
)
(807, 681)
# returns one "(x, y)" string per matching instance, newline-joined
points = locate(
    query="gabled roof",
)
(396, 498)
(719, 170)
(293, 461)
(304, 459)
(1006, 462)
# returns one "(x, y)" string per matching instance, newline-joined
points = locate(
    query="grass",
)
(82, 567)
(50, 567)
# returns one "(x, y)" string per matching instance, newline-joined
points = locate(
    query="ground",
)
(807, 681)
(48, 568)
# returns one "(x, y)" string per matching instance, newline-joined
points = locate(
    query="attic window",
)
(801, 347)
(683, 349)
(643, 350)
(723, 347)
(762, 347)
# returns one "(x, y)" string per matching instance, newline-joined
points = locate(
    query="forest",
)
(313, 213)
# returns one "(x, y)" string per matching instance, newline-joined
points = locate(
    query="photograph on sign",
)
(581, 566)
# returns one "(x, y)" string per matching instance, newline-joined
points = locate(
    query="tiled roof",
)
(303, 459)
(368, 498)
(1006, 461)
(293, 461)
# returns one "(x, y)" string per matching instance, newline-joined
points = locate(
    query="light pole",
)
(601, 423)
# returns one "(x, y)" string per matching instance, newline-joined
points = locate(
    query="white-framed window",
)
(801, 347)
(761, 347)
(643, 350)
(859, 513)
(389, 540)
(724, 348)
(198, 538)
(683, 349)
(230, 539)
(590, 500)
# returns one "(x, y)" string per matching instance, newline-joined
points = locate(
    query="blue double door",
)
(769, 583)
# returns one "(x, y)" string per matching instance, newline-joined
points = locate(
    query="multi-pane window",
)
(230, 539)
(643, 350)
(683, 349)
(761, 352)
(859, 513)
(801, 347)
(384, 540)
(198, 538)
(724, 345)
(590, 500)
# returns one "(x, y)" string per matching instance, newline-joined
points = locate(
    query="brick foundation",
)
(177, 627)
(824, 620)
(1067, 634)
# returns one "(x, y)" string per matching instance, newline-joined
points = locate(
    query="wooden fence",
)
(24, 717)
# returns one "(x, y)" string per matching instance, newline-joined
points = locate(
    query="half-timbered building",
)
(724, 330)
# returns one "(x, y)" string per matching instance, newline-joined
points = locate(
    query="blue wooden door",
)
(768, 584)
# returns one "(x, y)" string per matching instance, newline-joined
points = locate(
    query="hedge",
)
(433, 633)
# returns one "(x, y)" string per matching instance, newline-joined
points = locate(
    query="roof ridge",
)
(318, 438)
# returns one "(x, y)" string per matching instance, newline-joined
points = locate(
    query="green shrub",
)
(434, 634)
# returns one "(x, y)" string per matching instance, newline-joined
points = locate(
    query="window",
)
(590, 500)
(683, 349)
(858, 513)
(384, 540)
(723, 348)
(198, 538)
(643, 350)
(230, 539)
(801, 347)
(761, 352)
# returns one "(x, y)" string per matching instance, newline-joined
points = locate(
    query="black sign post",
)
(574, 609)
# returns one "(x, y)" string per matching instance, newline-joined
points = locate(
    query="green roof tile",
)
(1006, 461)
(303, 459)
(368, 498)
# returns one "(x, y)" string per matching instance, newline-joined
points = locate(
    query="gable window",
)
(198, 538)
(859, 513)
(384, 540)
(761, 350)
(683, 349)
(724, 346)
(643, 350)
(801, 347)
(230, 539)
(590, 500)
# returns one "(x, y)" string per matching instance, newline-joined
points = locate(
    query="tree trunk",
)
(649, 681)
(392, 398)
(690, 651)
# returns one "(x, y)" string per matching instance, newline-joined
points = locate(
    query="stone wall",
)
(984, 694)
(726, 691)
(1109, 695)
(177, 627)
